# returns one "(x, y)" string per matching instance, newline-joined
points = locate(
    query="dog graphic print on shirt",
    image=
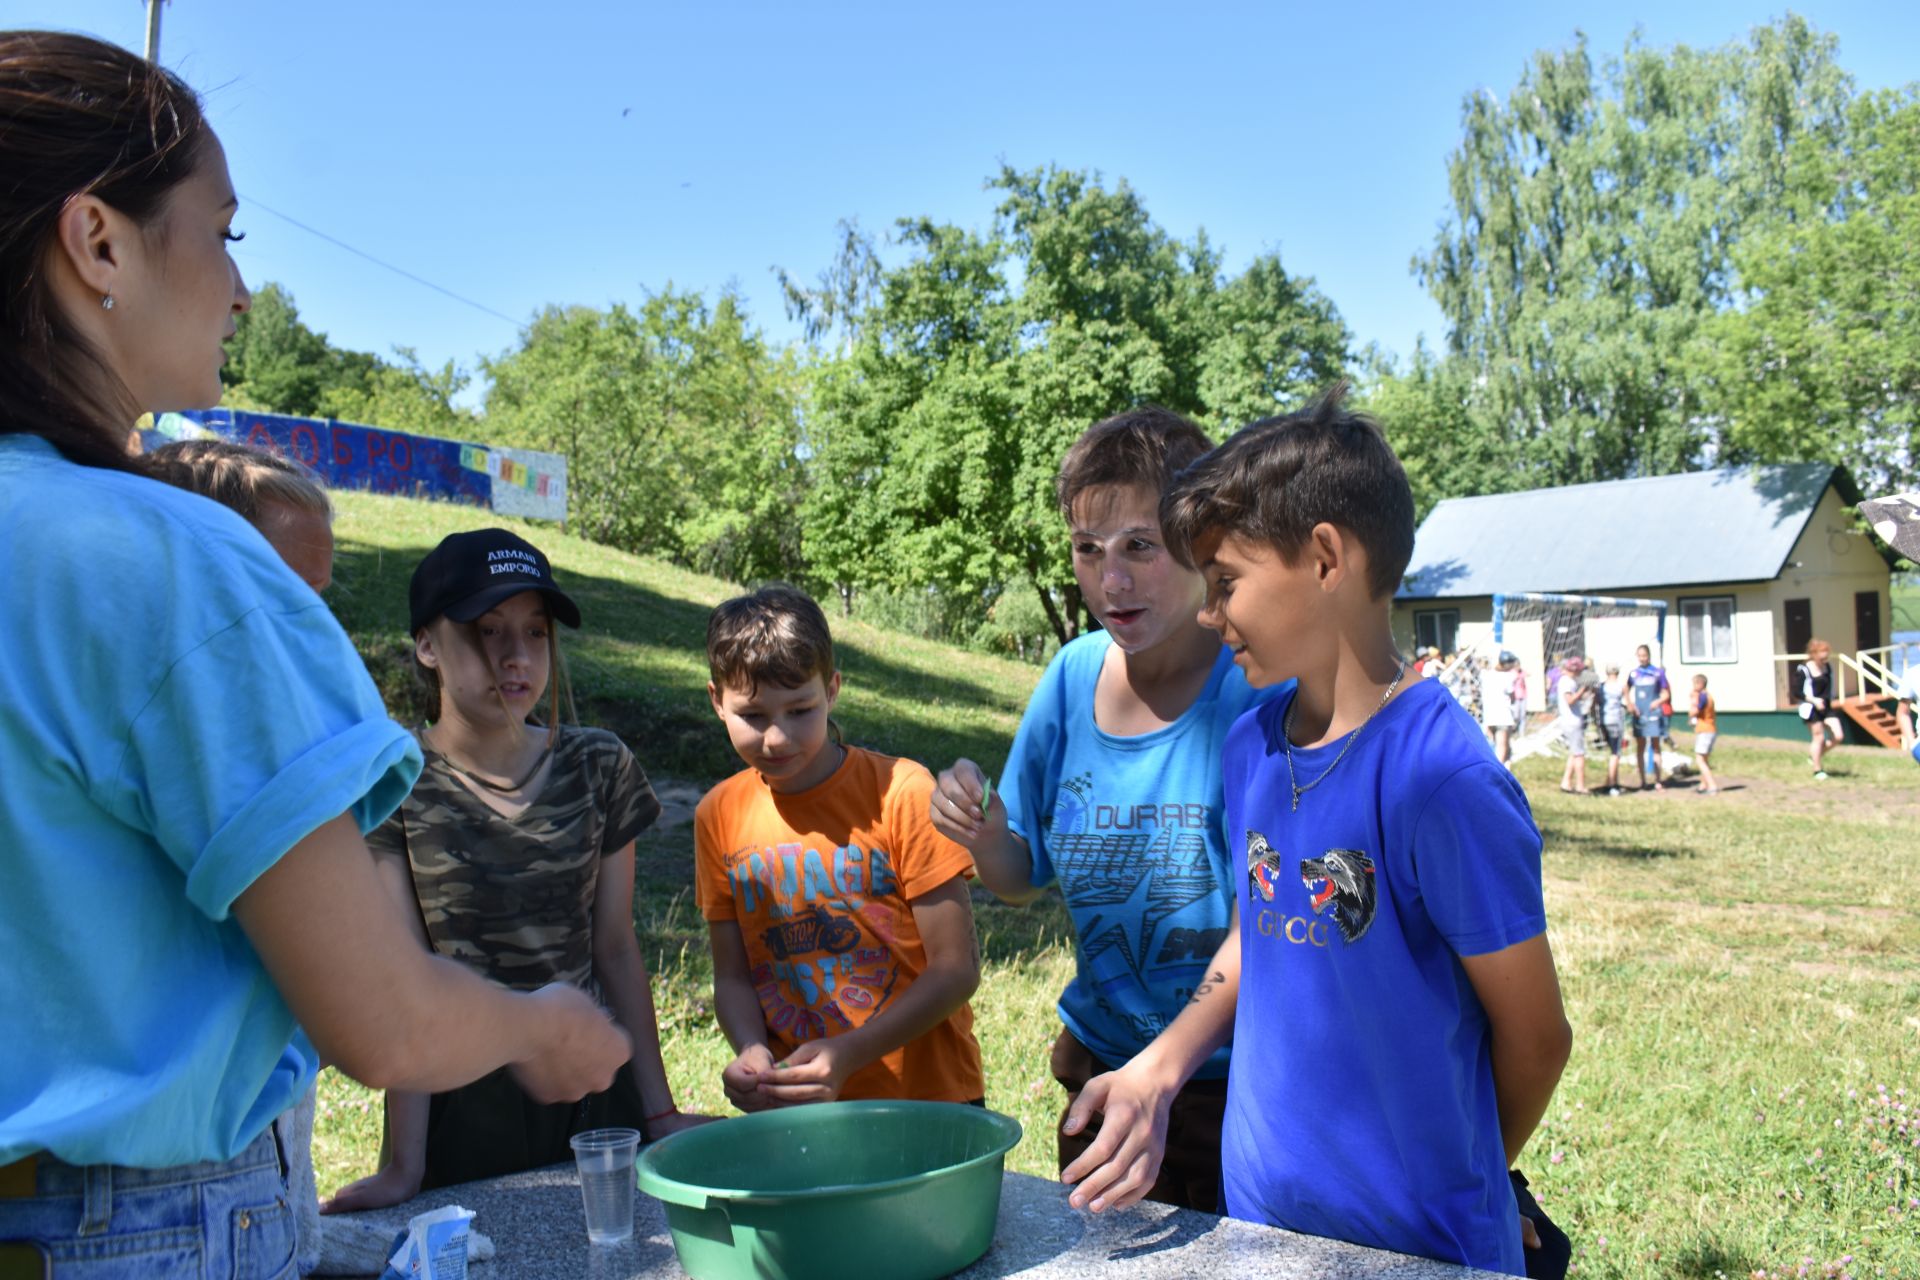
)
(1342, 879)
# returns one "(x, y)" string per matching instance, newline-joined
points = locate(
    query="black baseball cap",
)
(470, 573)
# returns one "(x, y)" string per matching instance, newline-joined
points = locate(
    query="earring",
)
(106, 303)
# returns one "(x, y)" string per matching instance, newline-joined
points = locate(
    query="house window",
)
(1436, 629)
(1706, 630)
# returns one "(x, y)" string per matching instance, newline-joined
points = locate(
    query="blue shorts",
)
(1612, 733)
(104, 1222)
(1652, 727)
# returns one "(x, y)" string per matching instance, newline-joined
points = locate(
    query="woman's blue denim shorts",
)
(209, 1221)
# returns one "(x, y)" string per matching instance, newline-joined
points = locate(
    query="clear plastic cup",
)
(605, 1160)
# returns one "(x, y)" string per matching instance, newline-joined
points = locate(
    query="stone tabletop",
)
(536, 1222)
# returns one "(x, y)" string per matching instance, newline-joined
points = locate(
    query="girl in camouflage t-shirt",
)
(514, 854)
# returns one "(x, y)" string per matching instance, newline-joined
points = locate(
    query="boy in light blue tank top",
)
(1112, 790)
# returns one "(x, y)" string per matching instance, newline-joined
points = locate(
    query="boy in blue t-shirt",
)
(1397, 1023)
(1112, 790)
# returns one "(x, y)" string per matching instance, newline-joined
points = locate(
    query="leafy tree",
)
(405, 397)
(1822, 360)
(680, 429)
(1593, 216)
(281, 364)
(967, 369)
(276, 364)
(1445, 439)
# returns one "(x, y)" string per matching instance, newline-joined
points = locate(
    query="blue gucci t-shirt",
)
(1131, 828)
(1361, 1104)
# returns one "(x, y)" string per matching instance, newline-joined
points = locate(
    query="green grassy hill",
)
(1742, 971)
(639, 665)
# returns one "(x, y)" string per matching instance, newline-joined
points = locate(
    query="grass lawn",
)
(1742, 971)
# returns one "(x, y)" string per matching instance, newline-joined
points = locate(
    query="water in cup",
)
(605, 1160)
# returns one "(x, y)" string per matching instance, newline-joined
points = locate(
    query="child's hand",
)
(963, 809)
(390, 1186)
(740, 1080)
(1124, 1160)
(814, 1072)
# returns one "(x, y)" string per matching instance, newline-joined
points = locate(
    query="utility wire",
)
(401, 271)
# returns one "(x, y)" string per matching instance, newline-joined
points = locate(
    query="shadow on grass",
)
(1707, 1258)
(1561, 840)
(1019, 933)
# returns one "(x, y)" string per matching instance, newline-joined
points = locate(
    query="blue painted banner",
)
(348, 455)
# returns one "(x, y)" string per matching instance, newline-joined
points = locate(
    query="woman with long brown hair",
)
(190, 747)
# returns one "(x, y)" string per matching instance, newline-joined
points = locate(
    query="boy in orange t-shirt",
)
(840, 921)
(1706, 729)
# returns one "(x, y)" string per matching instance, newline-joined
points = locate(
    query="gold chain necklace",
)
(1286, 739)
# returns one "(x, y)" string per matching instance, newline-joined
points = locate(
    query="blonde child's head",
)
(278, 496)
(1699, 682)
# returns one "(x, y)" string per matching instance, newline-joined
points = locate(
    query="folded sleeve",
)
(628, 800)
(1477, 855)
(923, 859)
(253, 738)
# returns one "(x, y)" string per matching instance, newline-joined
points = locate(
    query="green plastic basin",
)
(887, 1190)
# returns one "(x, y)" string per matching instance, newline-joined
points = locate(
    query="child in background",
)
(1705, 730)
(1613, 722)
(840, 920)
(1112, 789)
(1814, 685)
(1905, 696)
(1574, 702)
(1502, 704)
(282, 499)
(1652, 698)
(514, 854)
(1399, 1029)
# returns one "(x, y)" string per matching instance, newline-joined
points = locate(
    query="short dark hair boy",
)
(1392, 931)
(839, 919)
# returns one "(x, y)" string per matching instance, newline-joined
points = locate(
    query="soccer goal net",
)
(1542, 630)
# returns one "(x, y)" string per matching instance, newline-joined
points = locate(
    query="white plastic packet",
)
(433, 1247)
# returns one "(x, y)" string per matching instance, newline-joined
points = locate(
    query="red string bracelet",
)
(660, 1115)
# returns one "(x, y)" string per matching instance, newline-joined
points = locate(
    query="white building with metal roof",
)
(1752, 562)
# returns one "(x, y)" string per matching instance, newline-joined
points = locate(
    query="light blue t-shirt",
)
(1361, 1104)
(177, 710)
(1131, 829)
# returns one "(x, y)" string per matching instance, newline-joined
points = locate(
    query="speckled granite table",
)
(536, 1221)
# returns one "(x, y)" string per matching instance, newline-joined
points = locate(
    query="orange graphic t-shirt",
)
(820, 884)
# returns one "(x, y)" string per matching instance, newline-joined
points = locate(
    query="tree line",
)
(1653, 262)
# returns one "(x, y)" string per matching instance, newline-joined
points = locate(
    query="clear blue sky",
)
(585, 151)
